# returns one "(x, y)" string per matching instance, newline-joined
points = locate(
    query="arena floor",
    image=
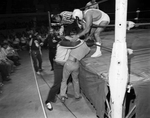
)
(20, 98)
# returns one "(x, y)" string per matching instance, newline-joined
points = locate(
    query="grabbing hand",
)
(75, 38)
(88, 38)
(68, 38)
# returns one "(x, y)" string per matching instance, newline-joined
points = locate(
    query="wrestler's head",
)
(77, 13)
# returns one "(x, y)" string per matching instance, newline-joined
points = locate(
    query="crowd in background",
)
(10, 47)
(9, 60)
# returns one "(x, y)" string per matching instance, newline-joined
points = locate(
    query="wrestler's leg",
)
(97, 34)
(90, 36)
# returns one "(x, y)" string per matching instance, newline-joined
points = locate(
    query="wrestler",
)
(92, 17)
(66, 21)
(64, 17)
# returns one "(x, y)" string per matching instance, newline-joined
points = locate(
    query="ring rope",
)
(113, 25)
(93, 4)
(134, 11)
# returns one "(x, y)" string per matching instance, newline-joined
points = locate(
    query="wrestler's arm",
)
(69, 38)
(82, 23)
(88, 24)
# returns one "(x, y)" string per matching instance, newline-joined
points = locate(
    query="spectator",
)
(52, 41)
(92, 17)
(7, 61)
(4, 68)
(16, 43)
(36, 53)
(23, 42)
(11, 54)
(4, 72)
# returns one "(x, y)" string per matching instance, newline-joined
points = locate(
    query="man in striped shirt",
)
(65, 19)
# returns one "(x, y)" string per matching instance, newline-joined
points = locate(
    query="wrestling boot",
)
(98, 52)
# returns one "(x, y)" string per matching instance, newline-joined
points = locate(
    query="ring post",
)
(118, 71)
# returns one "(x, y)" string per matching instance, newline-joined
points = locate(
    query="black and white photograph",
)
(74, 59)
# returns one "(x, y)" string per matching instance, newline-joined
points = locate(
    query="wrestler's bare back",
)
(94, 13)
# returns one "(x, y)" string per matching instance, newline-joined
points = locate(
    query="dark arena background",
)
(24, 96)
(23, 14)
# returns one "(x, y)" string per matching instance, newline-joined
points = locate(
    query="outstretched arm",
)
(88, 24)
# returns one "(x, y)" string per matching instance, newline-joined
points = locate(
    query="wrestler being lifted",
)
(92, 17)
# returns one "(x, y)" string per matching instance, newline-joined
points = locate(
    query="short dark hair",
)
(55, 16)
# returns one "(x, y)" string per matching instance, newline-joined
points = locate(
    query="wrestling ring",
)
(141, 53)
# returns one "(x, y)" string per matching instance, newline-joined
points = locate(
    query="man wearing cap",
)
(92, 17)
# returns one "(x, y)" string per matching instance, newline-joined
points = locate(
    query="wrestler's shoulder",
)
(91, 11)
